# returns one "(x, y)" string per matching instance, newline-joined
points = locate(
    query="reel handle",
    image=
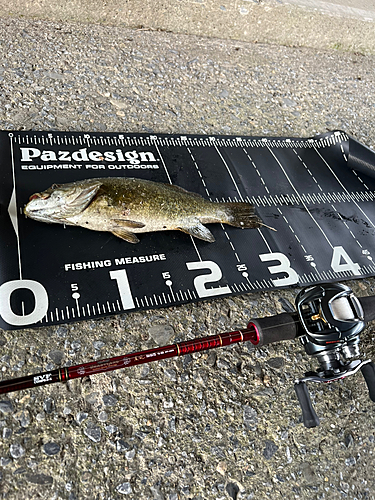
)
(310, 418)
(368, 372)
(368, 306)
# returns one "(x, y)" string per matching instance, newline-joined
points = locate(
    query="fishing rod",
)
(327, 321)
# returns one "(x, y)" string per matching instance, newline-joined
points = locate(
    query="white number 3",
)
(284, 267)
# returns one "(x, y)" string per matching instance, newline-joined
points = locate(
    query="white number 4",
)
(339, 255)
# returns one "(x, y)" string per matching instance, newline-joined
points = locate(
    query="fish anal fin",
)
(125, 235)
(128, 223)
(198, 230)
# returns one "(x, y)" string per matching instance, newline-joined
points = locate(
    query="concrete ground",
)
(321, 24)
(220, 425)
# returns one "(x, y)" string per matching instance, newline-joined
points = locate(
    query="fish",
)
(126, 206)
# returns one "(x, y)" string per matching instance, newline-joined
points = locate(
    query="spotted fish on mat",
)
(125, 206)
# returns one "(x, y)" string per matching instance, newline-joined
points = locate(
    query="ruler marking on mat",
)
(243, 273)
(12, 208)
(294, 188)
(342, 185)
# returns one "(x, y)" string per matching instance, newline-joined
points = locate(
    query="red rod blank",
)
(137, 358)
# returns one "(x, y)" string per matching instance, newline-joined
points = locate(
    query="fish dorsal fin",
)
(84, 198)
(198, 230)
(125, 235)
(182, 190)
(128, 223)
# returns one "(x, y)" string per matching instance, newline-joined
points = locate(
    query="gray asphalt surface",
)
(219, 425)
(320, 24)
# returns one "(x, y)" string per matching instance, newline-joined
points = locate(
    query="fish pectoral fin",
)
(125, 235)
(199, 231)
(85, 196)
(128, 223)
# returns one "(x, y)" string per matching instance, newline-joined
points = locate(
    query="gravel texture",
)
(320, 24)
(218, 425)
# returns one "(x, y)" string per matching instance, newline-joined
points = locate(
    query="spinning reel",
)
(332, 319)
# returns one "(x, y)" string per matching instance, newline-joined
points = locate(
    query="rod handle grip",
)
(310, 418)
(276, 328)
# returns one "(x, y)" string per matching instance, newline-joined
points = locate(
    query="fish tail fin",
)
(241, 215)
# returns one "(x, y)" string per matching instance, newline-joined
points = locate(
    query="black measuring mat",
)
(317, 193)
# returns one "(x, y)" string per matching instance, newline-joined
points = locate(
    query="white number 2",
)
(214, 276)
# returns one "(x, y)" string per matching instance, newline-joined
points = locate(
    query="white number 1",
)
(123, 287)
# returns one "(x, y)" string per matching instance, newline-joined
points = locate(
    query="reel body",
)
(332, 319)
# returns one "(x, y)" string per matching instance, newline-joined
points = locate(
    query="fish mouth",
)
(26, 209)
(36, 196)
(29, 209)
(38, 215)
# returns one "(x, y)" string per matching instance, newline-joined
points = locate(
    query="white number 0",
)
(40, 297)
